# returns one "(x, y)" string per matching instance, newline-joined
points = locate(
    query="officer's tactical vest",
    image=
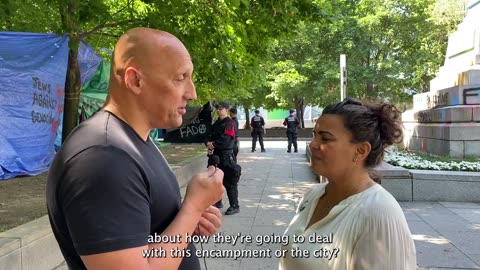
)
(257, 122)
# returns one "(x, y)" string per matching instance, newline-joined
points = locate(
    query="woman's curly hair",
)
(377, 123)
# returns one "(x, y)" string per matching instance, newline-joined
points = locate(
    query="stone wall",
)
(447, 131)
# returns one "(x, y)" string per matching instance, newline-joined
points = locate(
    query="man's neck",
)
(129, 117)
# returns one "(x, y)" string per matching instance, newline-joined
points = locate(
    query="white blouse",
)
(367, 230)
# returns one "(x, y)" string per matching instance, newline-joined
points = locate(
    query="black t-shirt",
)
(109, 190)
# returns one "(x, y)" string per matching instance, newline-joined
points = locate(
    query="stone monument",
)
(446, 120)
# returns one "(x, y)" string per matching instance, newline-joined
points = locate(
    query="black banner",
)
(195, 127)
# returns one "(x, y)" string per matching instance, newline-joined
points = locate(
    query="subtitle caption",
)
(259, 240)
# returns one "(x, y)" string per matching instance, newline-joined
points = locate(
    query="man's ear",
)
(132, 80)
(363, 149)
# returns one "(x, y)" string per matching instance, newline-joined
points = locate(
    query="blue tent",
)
(32, 80)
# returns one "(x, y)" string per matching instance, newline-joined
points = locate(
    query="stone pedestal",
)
(446, 131)
(446, 120)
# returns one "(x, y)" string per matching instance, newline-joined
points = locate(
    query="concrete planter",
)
(445, 186)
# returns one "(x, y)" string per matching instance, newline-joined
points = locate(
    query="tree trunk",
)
(72, 90)
(70, 21)
(247, 117)
(299, 110)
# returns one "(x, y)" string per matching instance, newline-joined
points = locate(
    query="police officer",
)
(257, 128)
(236, 146)
(292, 123)
(221, 144)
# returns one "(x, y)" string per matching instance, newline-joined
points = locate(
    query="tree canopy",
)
(270, 53)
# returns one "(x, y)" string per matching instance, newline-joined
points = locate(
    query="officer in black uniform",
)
(292, 123)
(236, 146)
(257, 128)
(221, 144)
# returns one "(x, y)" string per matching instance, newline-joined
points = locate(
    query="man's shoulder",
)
(99, 131)
(91, 132)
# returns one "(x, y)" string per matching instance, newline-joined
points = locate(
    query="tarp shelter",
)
(94, 92)
(32, 79)
(32, 71)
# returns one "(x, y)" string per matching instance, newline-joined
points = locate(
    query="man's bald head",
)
(138, 46)
(151, 79)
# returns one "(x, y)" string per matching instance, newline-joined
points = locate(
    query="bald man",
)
(113, 201)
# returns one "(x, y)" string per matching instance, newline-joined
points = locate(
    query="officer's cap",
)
(233, 110)
(222, 105)
(292, 111)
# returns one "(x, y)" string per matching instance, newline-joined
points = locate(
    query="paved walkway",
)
(447, 235)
